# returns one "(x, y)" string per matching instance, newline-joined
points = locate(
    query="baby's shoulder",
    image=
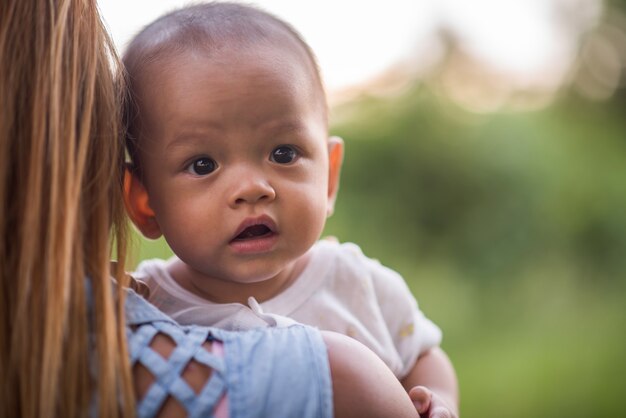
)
(339, 255)
(150, 266)
(153, 271)
(347, 262)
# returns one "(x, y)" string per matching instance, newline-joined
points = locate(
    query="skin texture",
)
(234, 110)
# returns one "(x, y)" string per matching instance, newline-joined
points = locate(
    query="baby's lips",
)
(254, 231)
(256, 226)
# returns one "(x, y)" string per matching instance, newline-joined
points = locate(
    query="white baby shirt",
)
(339, 290)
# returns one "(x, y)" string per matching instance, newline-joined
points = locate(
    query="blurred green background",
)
(509, 224)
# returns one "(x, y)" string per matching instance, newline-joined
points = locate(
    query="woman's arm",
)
(363, 386)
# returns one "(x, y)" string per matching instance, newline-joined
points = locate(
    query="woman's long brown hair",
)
(62, 338)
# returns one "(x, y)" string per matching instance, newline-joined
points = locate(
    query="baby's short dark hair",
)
(205, 27)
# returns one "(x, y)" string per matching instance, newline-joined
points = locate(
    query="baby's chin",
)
(271, 270)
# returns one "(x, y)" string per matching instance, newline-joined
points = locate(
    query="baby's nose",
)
(252, 190)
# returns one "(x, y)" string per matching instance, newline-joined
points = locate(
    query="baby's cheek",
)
(312, 216)
(185, 236)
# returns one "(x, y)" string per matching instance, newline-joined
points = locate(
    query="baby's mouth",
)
(255, 228)
(254, 231)
(255, 235)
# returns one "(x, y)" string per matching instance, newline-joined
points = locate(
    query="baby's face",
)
(234, 154)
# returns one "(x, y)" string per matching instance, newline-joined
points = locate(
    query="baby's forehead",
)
(233, 53)
(172, 57)
(167, 53)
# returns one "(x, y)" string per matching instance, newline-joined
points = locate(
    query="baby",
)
(232, 164)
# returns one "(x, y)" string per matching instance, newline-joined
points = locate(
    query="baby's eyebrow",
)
(186, 140)
(284, 126)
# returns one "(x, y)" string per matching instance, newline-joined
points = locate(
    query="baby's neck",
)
(219, 290)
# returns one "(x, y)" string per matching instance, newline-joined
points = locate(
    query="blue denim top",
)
(269, 372)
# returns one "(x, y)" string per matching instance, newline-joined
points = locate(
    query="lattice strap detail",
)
(168, 372)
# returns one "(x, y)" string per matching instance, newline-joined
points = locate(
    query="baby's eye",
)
(202, 166)
(284, 154)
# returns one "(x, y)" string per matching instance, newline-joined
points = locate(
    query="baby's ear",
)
(138, 206)
(335, 160)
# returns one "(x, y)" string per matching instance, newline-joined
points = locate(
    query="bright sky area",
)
(355, 40)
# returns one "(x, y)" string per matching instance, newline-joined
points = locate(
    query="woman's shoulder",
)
(138, 310)
(257, 369)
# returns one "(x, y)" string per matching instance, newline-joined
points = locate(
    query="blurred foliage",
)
(492, 195)
(511, 230)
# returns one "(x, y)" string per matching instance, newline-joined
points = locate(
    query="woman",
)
(65, 330)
